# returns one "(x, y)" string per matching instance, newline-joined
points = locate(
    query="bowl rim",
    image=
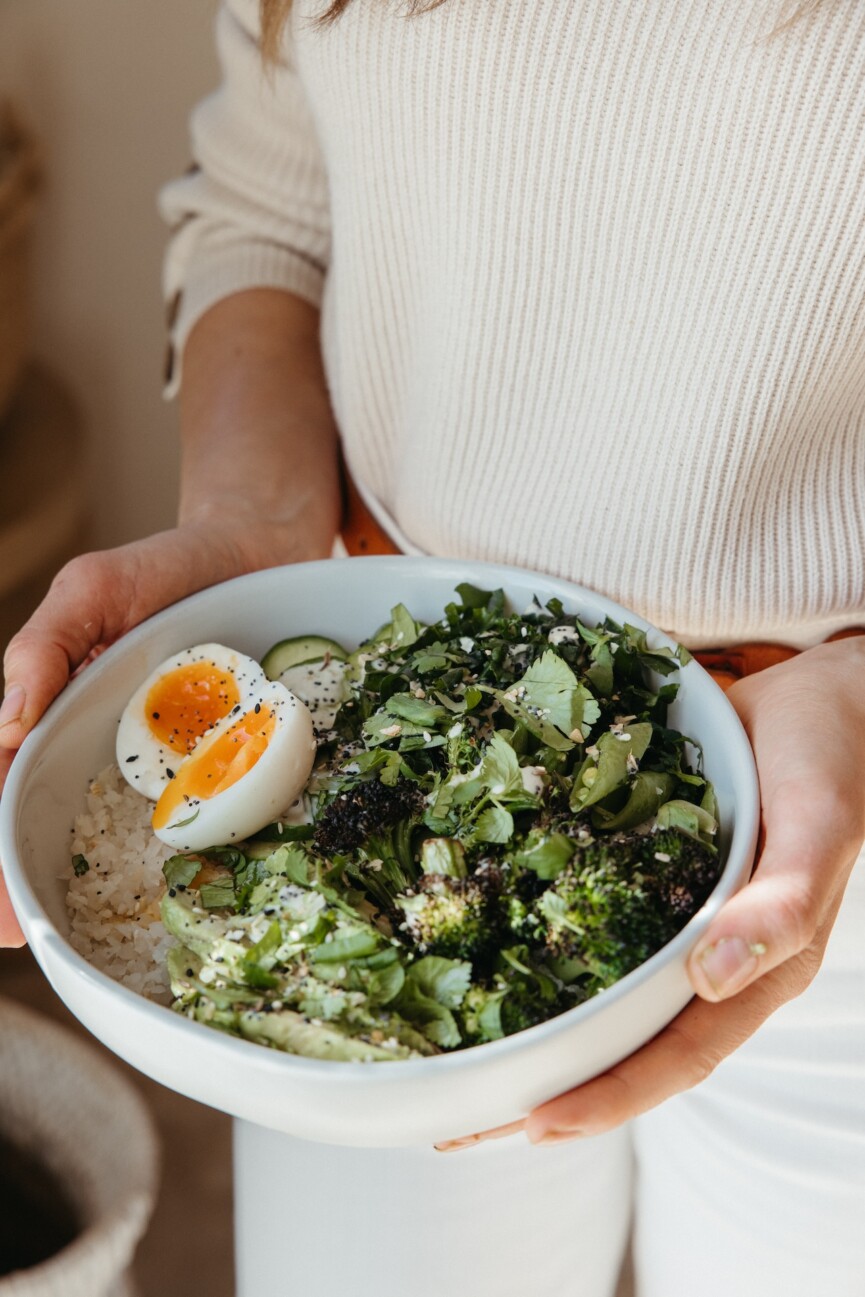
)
(38, 926)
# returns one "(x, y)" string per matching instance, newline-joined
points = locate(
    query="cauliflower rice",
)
(114, 905)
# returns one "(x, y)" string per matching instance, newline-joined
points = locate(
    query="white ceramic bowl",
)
(387, 1104)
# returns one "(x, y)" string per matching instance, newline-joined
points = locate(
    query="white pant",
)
(754, 1182)
(752, 1185)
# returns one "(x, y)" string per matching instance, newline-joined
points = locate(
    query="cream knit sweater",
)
(592, 275)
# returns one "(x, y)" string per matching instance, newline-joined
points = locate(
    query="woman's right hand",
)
(98, 597)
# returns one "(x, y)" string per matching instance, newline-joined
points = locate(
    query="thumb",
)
(809, 848)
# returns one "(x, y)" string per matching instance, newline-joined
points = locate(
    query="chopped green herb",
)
(179, 871)
(503, 825)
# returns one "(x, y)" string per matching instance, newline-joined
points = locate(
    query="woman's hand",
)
(806, 722)
(99, 597)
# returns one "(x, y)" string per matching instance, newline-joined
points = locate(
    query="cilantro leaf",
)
(433, 988)
(494, 824)
(404, 630)
(444, 980)
(292, 862)
(179, 871)
(546, 854)
(417, 710)
(696, 821)
(615, 763)
(648, 791)
(551, 703)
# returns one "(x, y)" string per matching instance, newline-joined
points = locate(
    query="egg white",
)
(147, 762)
(189, 821)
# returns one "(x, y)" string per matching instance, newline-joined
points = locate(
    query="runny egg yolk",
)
(217, 764)
(187, 702)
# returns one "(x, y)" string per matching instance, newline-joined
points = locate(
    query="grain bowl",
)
(417, 1100)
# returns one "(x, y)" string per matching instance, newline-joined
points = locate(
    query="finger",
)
(69, 622)
(94, 600)
(36, 670)
(811, 842)
(681, 1056)
(10, 929)
(470, 1141)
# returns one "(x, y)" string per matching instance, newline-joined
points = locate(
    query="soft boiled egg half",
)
(177, 704)
(222, 750)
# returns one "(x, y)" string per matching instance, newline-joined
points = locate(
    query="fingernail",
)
(481, 1136)
(730, 963)
(12, 706)
(454, 1145)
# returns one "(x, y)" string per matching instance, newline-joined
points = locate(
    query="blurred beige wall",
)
(107, 85)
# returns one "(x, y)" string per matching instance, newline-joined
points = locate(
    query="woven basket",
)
(71, 1112)
(19, 185)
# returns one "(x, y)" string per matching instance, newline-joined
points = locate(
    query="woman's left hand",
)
(806, 722)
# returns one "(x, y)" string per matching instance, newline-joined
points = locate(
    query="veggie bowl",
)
(426, 1093)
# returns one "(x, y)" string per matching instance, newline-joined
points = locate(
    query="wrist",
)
(258, 535)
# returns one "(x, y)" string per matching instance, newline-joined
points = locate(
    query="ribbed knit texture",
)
(593, 283)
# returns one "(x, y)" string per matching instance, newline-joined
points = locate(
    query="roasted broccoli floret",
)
(678, 872)
(372, 824)
(458, 918)
(481, 1013)
(375, 817)
(368, 812)
(530, 1001)
(618, 901)
(581, 920)
(520, 993)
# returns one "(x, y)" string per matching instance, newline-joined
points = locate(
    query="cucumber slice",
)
(322, 686)
(297, 651)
